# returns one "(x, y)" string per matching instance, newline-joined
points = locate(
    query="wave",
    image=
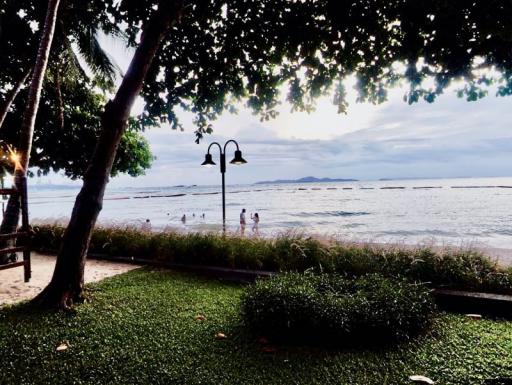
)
(331, 214)
(422, 232)
(294, 224)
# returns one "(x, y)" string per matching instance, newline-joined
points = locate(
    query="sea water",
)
(445, 211)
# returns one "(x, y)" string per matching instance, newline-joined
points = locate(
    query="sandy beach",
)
(13, 289)
(502, 256)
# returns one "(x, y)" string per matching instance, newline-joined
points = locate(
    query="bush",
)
(451, 268)
(332, 309)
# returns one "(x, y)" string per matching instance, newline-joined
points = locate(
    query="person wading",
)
(242, 222)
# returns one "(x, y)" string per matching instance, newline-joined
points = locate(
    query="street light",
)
(208, 162)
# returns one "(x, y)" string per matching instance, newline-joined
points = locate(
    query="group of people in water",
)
(255, 226)
(184, 217)
(146, 226)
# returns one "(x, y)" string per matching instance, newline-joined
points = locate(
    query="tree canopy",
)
(223, 52)
(68, 121)
(70, 147)
(78, 25)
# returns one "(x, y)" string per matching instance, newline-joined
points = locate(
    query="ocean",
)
(459, 212)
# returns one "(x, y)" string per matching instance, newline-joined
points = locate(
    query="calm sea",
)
(446, 211)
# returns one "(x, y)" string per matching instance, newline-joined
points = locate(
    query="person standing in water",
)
(255, 226)
(184, 219)
(242, 222)
(146, 226)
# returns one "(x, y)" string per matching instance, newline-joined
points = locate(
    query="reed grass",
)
(465, 269)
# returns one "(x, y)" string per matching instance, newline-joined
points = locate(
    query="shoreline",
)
(502, 255)
(234, 230)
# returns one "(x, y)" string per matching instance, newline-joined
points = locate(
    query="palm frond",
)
(98, 60)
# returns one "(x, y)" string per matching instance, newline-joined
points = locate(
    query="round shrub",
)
(333, 309)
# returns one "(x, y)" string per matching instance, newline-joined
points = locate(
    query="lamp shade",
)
(238, 158)
(208, 161)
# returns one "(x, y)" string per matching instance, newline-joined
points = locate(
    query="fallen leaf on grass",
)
(62, 346)
(421, 380)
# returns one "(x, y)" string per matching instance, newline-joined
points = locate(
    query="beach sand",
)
(14, 289)
(502, 256)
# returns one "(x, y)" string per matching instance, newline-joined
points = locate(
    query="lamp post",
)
(208, 161)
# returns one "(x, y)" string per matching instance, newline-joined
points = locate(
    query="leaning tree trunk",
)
(12, 213)
(6, 105)
(67, 282)
(10, 219)
(58, 88)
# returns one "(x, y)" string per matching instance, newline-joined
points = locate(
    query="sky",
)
(448, 138)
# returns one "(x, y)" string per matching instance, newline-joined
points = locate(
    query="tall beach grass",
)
(455, 268)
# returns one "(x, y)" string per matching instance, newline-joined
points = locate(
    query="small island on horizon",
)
(307, 179)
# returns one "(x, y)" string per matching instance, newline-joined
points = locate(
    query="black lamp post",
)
(208, 161)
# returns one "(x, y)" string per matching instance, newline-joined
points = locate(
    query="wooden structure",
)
(22, 236)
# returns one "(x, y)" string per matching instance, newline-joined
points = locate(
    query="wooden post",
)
(25, 228)
(23, 233)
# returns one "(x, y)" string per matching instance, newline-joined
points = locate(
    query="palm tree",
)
(87, 50)
(11, 95)
(66, 61)
(29, 117)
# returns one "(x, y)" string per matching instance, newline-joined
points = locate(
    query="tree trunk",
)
(6, 105)
(67, 282)
(58, 86)
(34, 93)
(11, 217)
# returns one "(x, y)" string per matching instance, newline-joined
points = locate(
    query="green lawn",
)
(140, 328)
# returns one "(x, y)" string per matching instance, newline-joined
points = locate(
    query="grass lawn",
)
(140, 328)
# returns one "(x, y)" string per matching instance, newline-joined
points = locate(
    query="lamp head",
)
(238, 158)
(208, 161)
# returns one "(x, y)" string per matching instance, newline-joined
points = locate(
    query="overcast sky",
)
(448, 138)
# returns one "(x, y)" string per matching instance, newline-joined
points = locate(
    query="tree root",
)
(57, 298)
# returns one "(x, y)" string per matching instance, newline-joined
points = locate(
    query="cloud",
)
(448, 138)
